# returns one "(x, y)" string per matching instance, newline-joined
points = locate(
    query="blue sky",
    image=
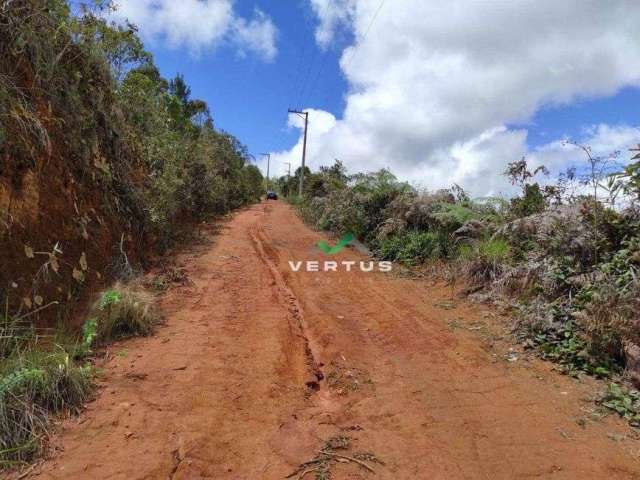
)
(554, 121)
(250, 97)
(440, 92)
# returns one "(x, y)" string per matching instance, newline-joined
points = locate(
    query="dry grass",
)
(124, 310)
(608, 319)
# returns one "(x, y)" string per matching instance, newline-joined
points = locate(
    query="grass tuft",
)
(484, 261)
(123, 311)
(34, 384)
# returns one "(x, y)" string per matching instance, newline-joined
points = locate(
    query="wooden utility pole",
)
(304, 146)
(268, 155)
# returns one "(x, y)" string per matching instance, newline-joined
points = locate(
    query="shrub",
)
(415, 247)
(32, 385)
(532, 201)
(123, 311)
(609, 306)
(606, 319)
(485, 260)
(451, 216)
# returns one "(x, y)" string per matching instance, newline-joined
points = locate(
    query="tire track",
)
(267, 255)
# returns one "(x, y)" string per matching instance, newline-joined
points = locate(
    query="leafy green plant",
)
(415, 247)
(452, 216)
(532, 201)
(554, 331)
(625, 402)
(109, 298)
(485, 260)
(89, 332)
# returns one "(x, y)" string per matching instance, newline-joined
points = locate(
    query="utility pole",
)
(268, 155)
(304, 146)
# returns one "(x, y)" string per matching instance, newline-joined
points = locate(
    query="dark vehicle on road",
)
(272, 195)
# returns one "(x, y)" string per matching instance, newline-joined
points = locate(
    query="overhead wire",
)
(306, 88)
(352, 55)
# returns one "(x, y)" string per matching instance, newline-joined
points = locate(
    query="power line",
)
(315, 79)
(366, 32)
(307, 78)
(364, 36)
(311, 87)
(304, 146)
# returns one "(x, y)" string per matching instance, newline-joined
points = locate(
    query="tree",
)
(119, 44)
(632, 174)
(533, 199)
(184, 109)
(599, 169)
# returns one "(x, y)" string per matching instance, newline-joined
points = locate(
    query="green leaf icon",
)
(329, 250)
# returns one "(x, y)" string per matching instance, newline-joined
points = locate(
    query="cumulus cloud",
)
(434, 86)
(256, 35)
(333, 15)
(199, 25)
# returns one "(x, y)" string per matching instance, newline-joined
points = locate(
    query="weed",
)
(82, 348)
(485, 261)
(34, 384)
(123, 311)
(565, 344)
(625, 402)
(415, 247)
(109, 298)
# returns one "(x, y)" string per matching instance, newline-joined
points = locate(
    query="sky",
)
(438, 92)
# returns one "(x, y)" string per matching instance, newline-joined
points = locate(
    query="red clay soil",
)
(259, 366)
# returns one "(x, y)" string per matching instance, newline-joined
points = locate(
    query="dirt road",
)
(259, 368)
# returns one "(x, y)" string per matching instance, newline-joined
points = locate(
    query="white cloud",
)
(320, 124)
(333, 15)
(434, 85)
(257, 35)
(199, 25)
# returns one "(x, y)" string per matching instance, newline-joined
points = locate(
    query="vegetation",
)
(44, 374)
(39, 375)
(120, 160)
(121, 311)
(570, 261)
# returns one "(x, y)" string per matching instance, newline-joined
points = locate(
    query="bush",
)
(532, 201)
(415, 247)
(609, 307)
(123, 311)
(485, 261)
(33, 384)
(40, 376)
(451, 216)
(606, 319)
